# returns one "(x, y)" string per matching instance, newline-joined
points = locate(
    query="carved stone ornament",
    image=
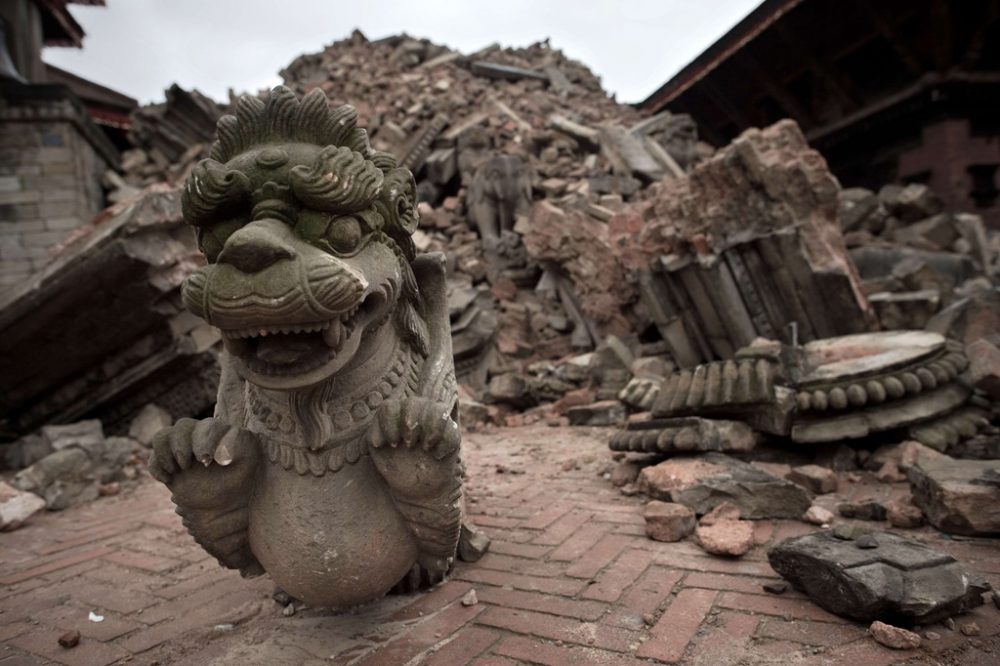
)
(333, 459)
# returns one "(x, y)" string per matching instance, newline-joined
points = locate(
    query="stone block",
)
(984, 366)
(820, 480)
(667, 521)
(17, 506)
(898, 581)
(721, 532)
(704, 482)
(150, 420)
(958, 496)
(603, 413)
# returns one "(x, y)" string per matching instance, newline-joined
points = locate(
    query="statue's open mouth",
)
(290, 349)
(295, 349)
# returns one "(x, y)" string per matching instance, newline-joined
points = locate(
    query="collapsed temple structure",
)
(724, 307)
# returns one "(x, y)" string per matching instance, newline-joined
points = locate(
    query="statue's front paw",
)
(226, 460)
(417, 424)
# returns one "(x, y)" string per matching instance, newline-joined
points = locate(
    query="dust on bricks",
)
(570, 579)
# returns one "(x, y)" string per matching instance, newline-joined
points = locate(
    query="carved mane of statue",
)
(333, 459)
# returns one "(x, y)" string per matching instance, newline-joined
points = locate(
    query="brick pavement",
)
(570, 579)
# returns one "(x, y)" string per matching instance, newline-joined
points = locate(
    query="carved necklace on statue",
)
(324, 431)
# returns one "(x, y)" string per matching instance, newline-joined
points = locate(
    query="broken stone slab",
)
(17, 506)
(817, 515)
(683, 435)
(706, 481)
(984, 366)
(150, 420)
(62, 478)
(958, 496)
(625, 473)
(87, 435)
(492, 70)
(668, 521)
(900, 581)
(628, 153)
(603, 413)
(25, 451)
(819, 480)
(721, 532)
(896, 638)
(870, 510)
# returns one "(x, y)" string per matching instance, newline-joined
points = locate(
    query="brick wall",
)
(50, 181)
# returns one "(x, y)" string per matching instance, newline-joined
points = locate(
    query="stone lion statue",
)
(333, 459)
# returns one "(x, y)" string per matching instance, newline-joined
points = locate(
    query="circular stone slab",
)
(866, 354)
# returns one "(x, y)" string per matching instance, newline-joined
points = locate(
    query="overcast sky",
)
(140, 47)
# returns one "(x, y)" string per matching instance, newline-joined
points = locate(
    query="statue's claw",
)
(415, 423)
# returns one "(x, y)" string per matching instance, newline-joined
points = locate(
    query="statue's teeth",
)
(334, 335)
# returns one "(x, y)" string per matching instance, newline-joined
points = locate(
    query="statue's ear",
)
(399, 192)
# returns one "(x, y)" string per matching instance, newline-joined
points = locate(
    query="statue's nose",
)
(255, 247)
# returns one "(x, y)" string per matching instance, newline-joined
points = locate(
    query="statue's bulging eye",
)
(344, 234)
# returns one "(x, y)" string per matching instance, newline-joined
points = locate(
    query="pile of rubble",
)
(61, 466)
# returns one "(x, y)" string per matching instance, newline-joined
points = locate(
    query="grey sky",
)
(140, 47)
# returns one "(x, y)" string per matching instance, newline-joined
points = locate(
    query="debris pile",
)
(72, 464)
(101, 331)
(169, 138)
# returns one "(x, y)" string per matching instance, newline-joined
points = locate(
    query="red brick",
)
(187, 586)
(582, 540)
(867, 652)
(23, 606)
(678, 625)
(467, 644)
(94, 535)
(119, 598)
(537, 652)
(560, 628)
(544, 603)
(87, 653)
(489, 660)
(520, 565)
(482, 520)
(811, 633)
(619, 518)
(521, 582)
(562, 529)
(547, 516)
(652, 588)
(178, 608)
(726, 640)
(55, 565)
(204, 614)
(24, 660)
(166, 520)
(143, 561)
(518, 549)
(423, 636)
(25, 586)
(14, 629)
(707, 562)
(69, 616)
(712, 581)
(598, 557)
(81, 569)
(763, 530)
(434, 600)
(771, 605)
(619, 576)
